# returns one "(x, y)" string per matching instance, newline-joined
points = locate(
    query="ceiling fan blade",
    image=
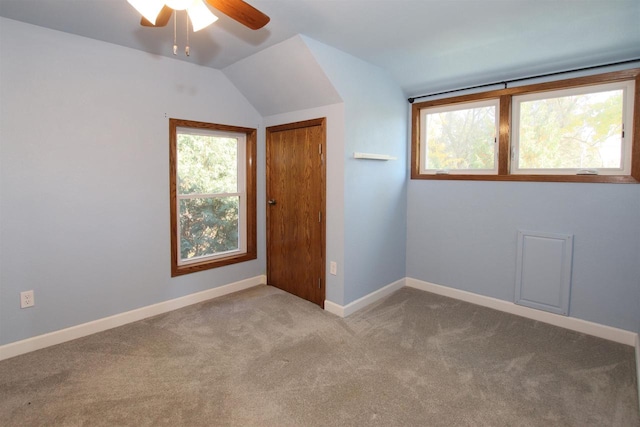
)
(161, 20)
(242, 12)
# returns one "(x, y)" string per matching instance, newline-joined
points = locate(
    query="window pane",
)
(461, 139)
(208, 226)
(207, 164)
(571, 132)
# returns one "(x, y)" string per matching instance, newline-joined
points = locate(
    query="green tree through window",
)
(208, 165)
(461, 139)
(578, 131)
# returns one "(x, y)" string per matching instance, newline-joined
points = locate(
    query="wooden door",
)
(296, 208)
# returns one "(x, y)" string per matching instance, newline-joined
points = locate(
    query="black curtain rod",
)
(506, 82)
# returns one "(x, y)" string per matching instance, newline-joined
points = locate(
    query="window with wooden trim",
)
(578, 130)
(460, 138)
(573, 131)
(213, 195)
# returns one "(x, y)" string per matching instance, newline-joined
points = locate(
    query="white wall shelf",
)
(371, 156)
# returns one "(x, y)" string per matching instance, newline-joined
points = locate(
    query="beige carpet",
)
(266, 358)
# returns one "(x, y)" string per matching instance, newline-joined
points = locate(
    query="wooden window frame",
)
(504, 139)
(250, 181)
(481, 103)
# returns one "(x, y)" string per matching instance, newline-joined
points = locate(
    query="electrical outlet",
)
(333, 268)
(27, 299)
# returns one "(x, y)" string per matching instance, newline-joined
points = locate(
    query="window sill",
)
(609, 179)
(178, 270)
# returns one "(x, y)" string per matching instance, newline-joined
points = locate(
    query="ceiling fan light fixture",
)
(200, 15)
(148, 8)
(179, 4)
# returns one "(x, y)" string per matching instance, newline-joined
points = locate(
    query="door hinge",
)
(319, 282)
(320, 216)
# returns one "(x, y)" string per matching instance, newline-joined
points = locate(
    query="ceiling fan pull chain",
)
(175, 44)
(186, 49)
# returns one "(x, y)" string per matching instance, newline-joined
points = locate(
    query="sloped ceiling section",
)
(283, 78)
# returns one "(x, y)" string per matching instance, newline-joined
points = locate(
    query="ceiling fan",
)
(156, 13)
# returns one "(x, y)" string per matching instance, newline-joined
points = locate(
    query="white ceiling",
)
(425, 45)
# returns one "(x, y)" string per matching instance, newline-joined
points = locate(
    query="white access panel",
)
(543, 271)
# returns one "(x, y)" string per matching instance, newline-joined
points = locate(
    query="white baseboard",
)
(595, 329)
(360, 303)
(638, 367)
(334, 308)
(78, 331)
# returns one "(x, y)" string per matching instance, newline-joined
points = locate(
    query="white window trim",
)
(628, 88)
(242, 194)
(495, 102)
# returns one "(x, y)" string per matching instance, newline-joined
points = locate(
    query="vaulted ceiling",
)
(425, 45)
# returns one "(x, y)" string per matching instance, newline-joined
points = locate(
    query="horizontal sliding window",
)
(460, 138)
(576, 130)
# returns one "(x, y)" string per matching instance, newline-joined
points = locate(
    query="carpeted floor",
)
(263, 357)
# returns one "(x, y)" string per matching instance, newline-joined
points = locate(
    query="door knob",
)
(272, 202)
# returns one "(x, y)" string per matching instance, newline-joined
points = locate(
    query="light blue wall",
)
(283, 78)
(463, 234)
(374, 191)
(84, 167)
